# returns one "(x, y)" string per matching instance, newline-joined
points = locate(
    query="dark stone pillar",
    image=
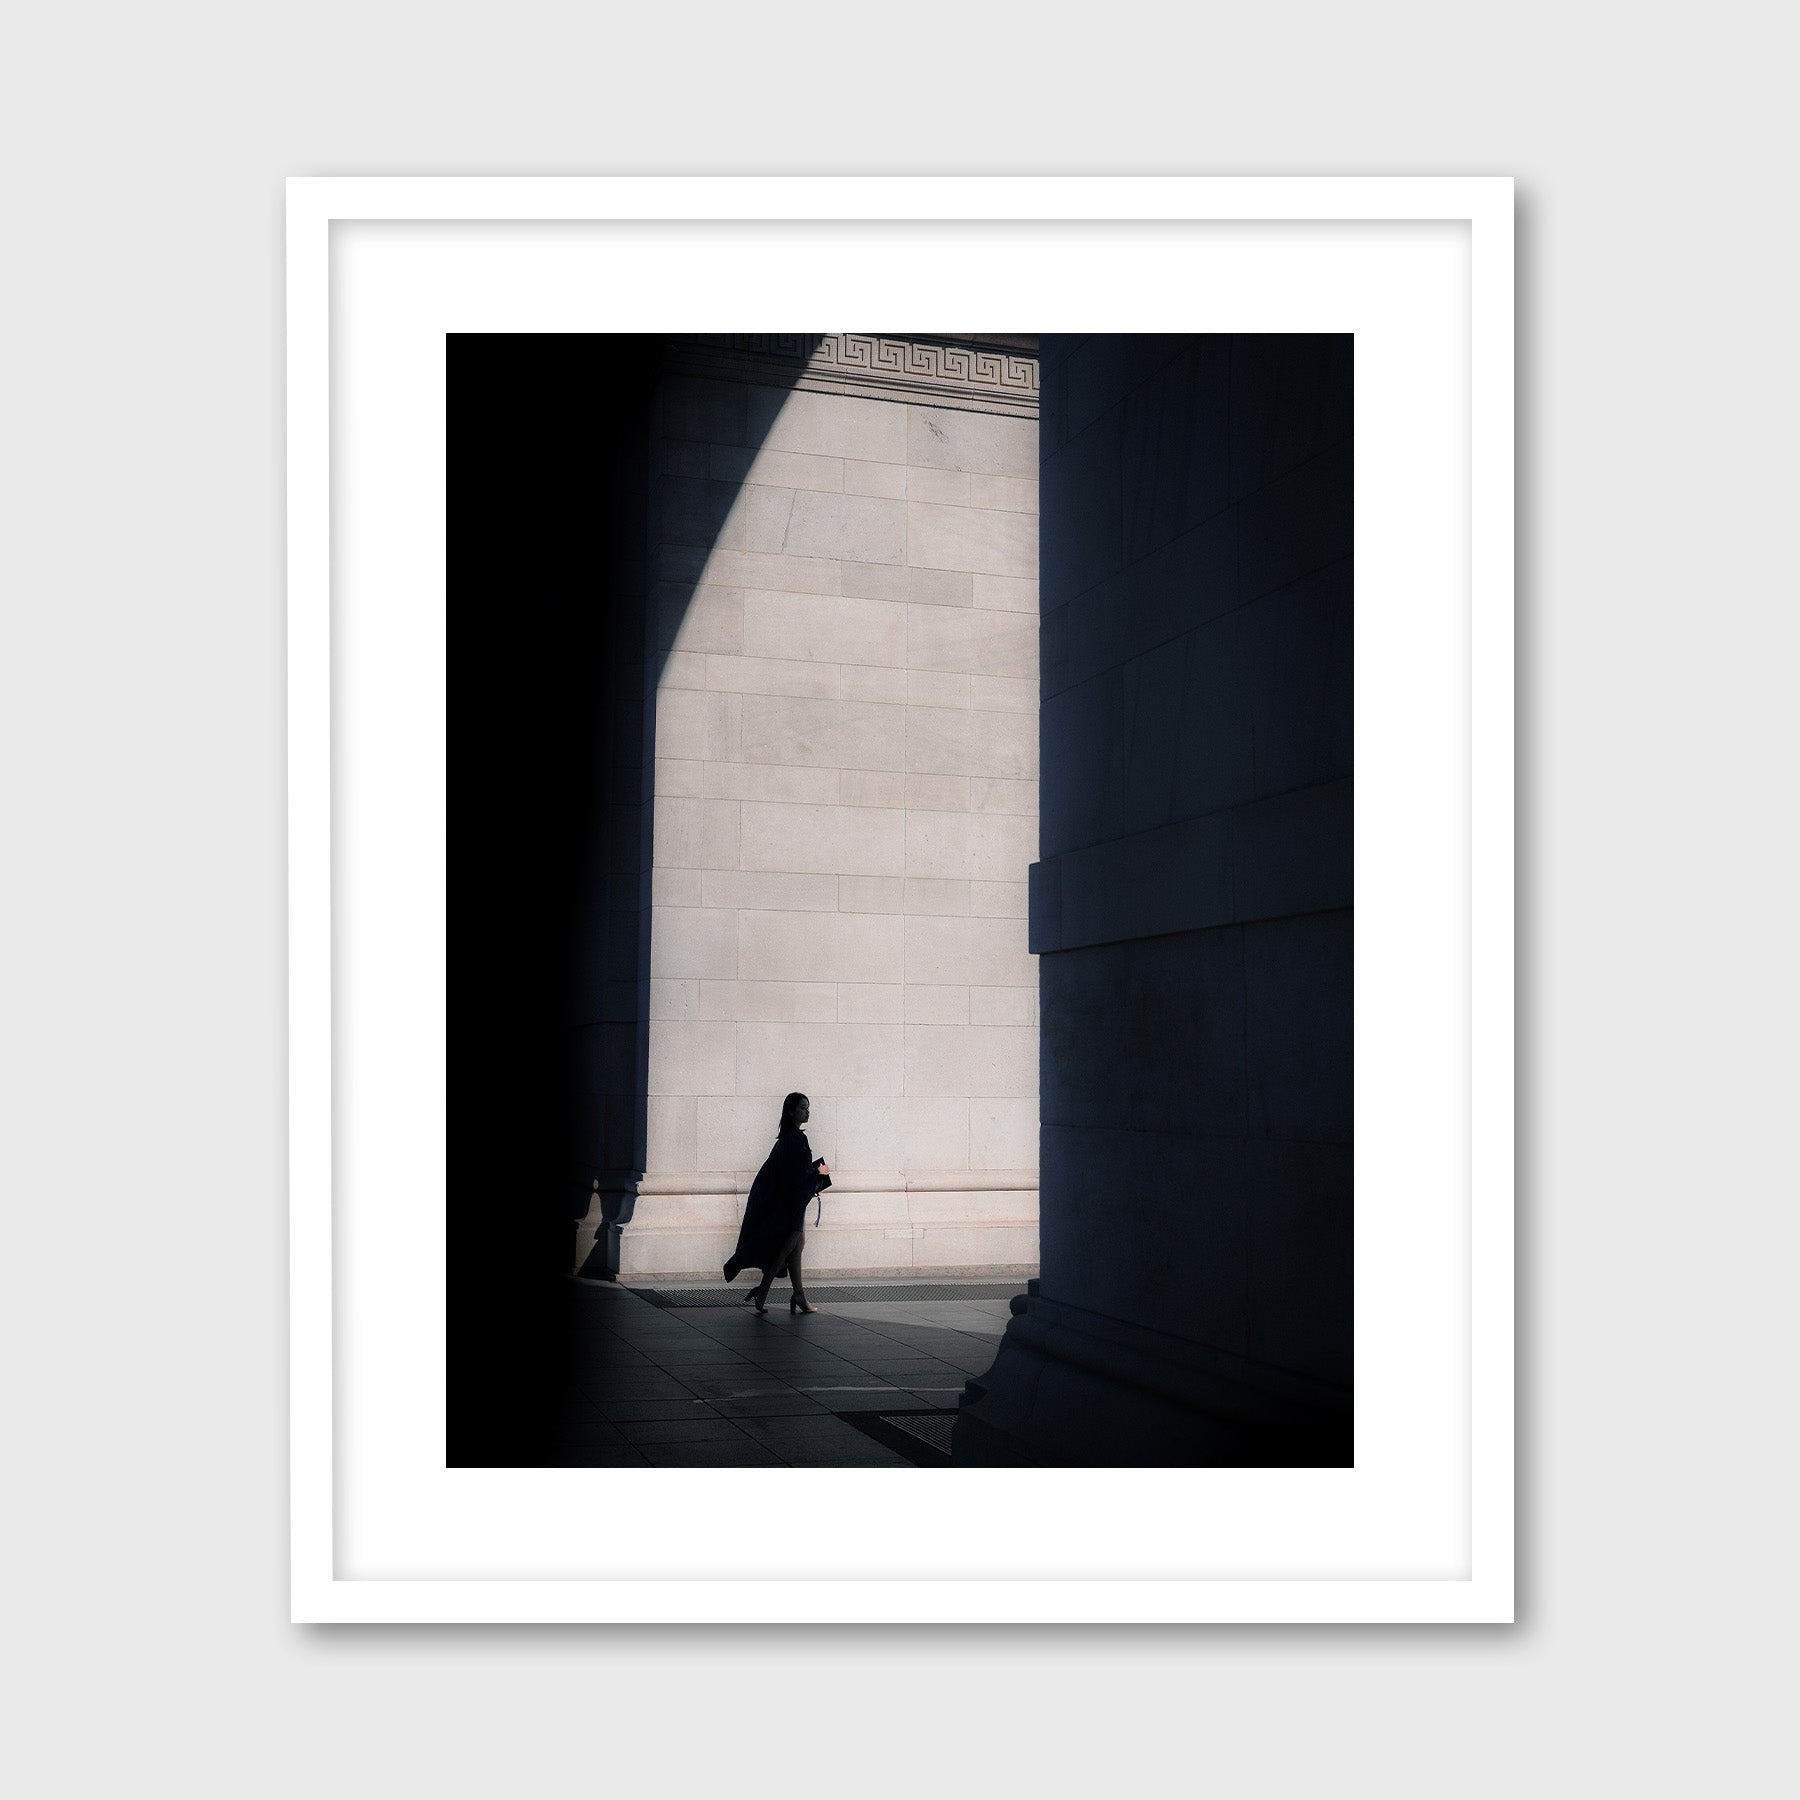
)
(1192, 912)
(548, 851)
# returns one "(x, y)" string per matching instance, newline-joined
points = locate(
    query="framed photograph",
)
(901, 938)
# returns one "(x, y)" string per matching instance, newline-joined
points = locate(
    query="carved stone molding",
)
(967, 373)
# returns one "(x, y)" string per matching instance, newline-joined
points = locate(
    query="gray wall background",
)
(141, 714)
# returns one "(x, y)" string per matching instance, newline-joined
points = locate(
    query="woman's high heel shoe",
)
(753, 1298)
(800, 1306)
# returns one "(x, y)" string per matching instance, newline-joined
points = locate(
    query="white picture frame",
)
(1416, 1532)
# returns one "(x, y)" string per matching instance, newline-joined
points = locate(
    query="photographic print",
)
(899, 976)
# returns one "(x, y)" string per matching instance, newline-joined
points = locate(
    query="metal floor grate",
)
(914, 1290)
(929, 1428)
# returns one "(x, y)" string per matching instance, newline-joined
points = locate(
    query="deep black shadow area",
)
(572, 553)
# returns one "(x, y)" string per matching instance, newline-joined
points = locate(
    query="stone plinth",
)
(873, 1223)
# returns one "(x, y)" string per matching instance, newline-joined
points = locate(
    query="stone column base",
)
(886, 1223)
(1076, 1389)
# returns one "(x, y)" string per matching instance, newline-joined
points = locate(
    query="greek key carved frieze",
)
(981, 376)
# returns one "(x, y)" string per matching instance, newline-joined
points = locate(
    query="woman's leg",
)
(793, 1268)
(777, 1266)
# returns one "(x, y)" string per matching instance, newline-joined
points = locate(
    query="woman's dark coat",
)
(776, 1208)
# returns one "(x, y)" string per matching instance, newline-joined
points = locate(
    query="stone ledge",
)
(966, 375)
(1272, 858)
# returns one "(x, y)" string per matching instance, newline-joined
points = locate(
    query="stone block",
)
(931, 687)
(674, 999)
(887, 687)
(837, 734)
(999, 899)
(777, 468)
(708, 412)
(972, 1246)
(700, 515)
(876, 581)
(1300, 1237)
(885, 480)
(871, 787)
(675, 887)
(871, 894)
(670, 1131)
(971, 1061)
(946, 487)
(735, 1132)
(1178, 878)
(1001, 794)
(1184, 996)
(979, 952)
(695, 834)
(1084, 732)
(1002, 693)
(816, 628)
(1083, 511)
(773, 574)
(688, 942)
(841, 946)
(971, 641)
(768, 1002)
(763, 891)
(767, 675)
(1174, 445)
(1297, 647)
(904, 1133)
(851, 527)
(871, 1003)
(970, 538)
(937, 793)
(940, 587)
(699, 619)
(822, 840)
(969, 846)
(936, 1005)
(1300, 522)
(1298, 1030)
(747, 781)
(1006, 593)
(694, 1056)
(855, 1251)
(700, 727)
(862, 1209)
(1154, 687)
(838, 1061)
(942, 741)
(1293, 399)
(1003, 1006)
(1186, 1198)
(925, 894)
(812, 424)
(680, 457)
(1293, 853)
(1003, 493)
(683, 669)
(978, 443)
(976, 1205)
(1003, 1134)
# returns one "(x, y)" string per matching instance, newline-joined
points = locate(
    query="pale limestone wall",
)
(845, 810)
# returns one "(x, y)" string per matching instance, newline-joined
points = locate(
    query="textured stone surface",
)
(845, 813)
(1191, 912)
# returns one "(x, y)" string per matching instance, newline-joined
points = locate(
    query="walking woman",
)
(774, 1229)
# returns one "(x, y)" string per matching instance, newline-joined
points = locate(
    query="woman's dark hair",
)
(794, 1111)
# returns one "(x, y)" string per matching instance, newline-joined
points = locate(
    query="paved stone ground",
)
(720, 1387)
